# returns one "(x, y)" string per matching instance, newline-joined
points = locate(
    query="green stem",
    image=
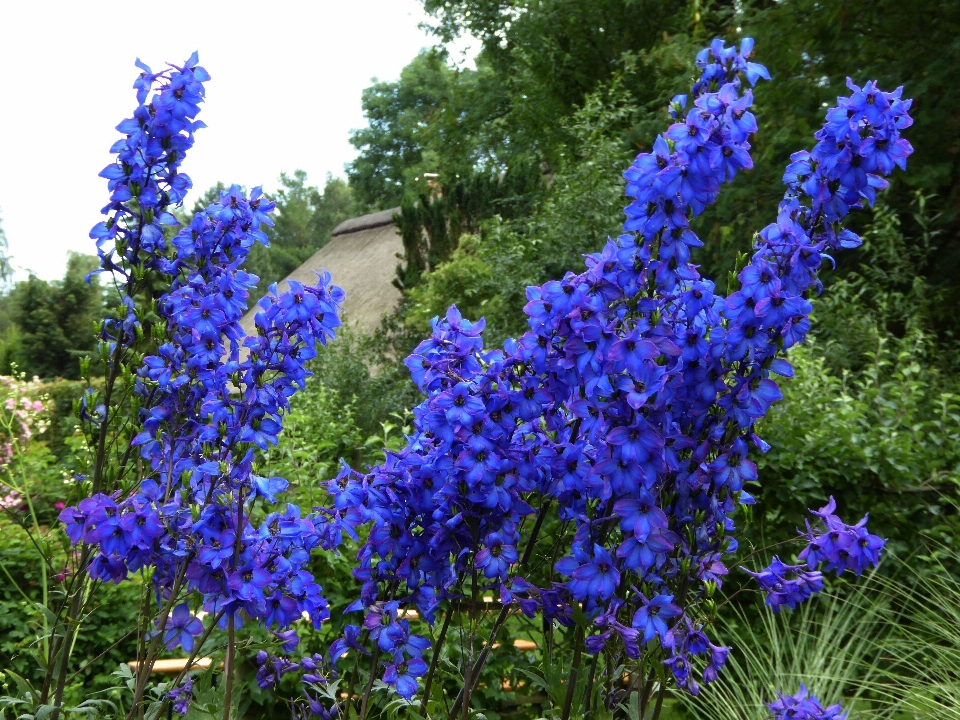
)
(373, 674)
(574, 672)
(660, 693)
(433, 661)
(588, 696)
(14, 583)
(348, 701)
(504, 611)
(643, 694)
(143, 670)
(228, 665)
(70, 623)
(468, 679)
(73, 588)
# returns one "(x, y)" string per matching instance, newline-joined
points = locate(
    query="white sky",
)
(284, 94)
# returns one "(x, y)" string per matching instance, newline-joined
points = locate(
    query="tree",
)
(56, 320)
(541, 61)
(396, 146)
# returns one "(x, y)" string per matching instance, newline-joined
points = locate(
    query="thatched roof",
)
(365, 222)
(362, 259)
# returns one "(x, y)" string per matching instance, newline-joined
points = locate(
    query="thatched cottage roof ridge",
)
(362, 259)
(366, 222)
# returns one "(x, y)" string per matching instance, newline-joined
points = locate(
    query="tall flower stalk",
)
(628, 408)
(197, 398)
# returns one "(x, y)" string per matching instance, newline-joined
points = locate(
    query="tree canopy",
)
(572, 85)
(54, 323)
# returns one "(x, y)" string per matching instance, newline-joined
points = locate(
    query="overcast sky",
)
(284, 94)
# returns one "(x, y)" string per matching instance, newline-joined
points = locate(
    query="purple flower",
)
(496, 558)
(803, 706)
(181, 697)
(597, 578)
(650, 619)
(403, 675)
(181, 628)
(843, 547)
(787, 585)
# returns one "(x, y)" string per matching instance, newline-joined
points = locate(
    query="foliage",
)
(33, 486)
(828, 644)
(361, 372)
(918, 667)
(888, 649)
(887, 439)
(541, 61)
(489, 272)
(54, 321)
(63, 436)
(392, 151)
(886, 298)
(318, 432)
(541, 58)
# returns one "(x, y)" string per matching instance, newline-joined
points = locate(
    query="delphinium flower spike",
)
(631, 403)
(200, 520)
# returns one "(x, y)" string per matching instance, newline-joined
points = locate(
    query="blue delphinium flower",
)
(803, 706)
(271, 668)
(651, 619)
(496, 558)
(181, 628)
(206, 396)
(145, 181)
(404, 675)
(843, 547)
(631, 403)
(181, 697)
(597, 578)
(188, 406)
(787, 585)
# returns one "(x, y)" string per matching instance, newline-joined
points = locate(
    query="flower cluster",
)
(786, 584)
(803, 706)
(192, 518)
(181, 697)
(145, 181)
(842, 547)
(208, 396)
(270, 668)
(402, 650)
(22, 415)
(631, 402)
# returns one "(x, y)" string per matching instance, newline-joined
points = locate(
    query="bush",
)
(887, 439)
